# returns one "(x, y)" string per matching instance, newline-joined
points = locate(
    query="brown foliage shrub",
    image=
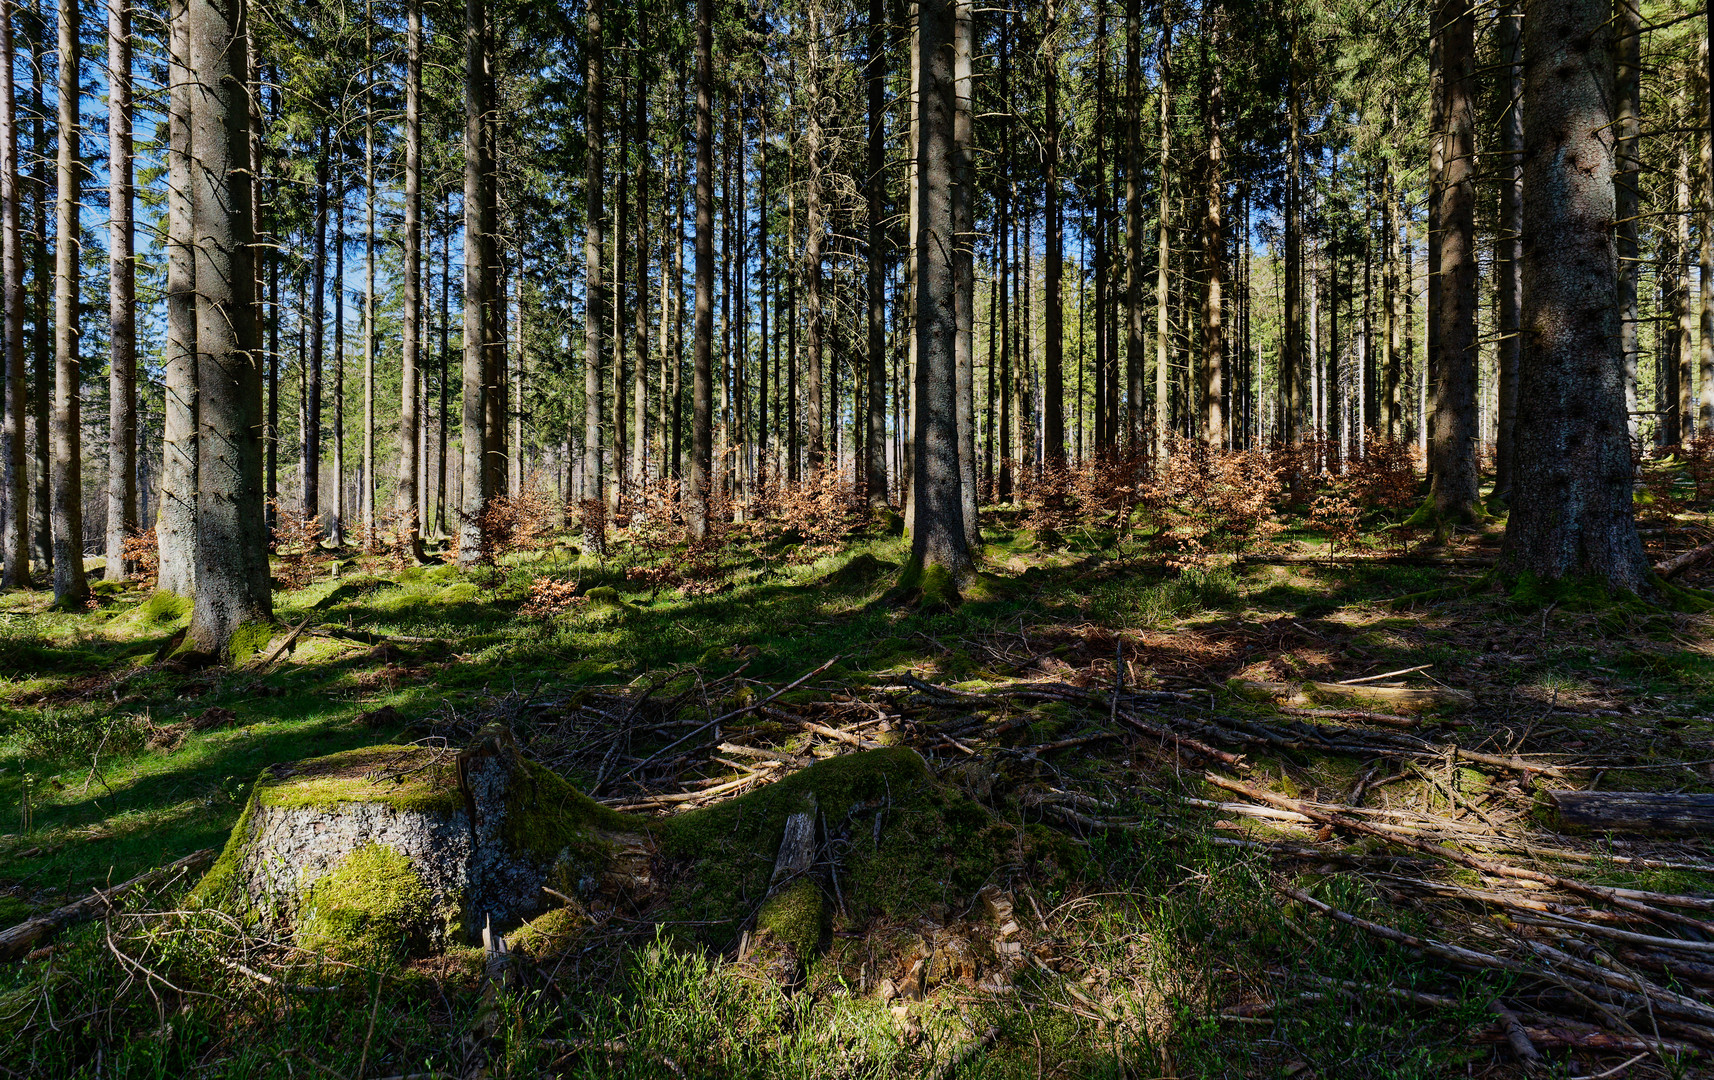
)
(1208, 502)
(296, 546)
(143, 554)
(549, 597)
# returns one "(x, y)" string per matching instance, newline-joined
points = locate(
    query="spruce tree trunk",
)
(874, 190)
(1053, 353)
(175, 525)
(408, 505)
(232, 591)
(964, 263)
(42, 339)
(309, 462)
(1455, 480)
(1509, 248)
(1681, 382)
(1163, 261)
(1213, 240)
(1133, 227)
(594, 293)
(640, 358)
(814, 228)
(1572, 514)
(366, 491)
(1291, 347)
(702, 349)
(121, 297)
(336, 529)
(1627, 92)
(474, 369)
(71, 589)
(940, 558)
(15, 542)
(1705, 351)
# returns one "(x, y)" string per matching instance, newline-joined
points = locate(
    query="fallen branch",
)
(1678, 564)
(1629, 899)
(20, 939)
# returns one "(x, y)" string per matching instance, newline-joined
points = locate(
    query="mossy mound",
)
(373, 909)
(858, 574)
(376, 854)
(907, 842)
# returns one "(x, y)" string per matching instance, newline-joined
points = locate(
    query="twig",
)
(1385, 675)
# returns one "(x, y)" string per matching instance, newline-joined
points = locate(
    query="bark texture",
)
(939, 553)
(71, 588)
(232, 592)
(121, 297)
(1571, 514)
(175, 525)
(15, 541)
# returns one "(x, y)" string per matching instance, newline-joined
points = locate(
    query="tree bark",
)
(1053, 353)
(15, 543)
(1213, 238)
(1291, 348)
(964, 263)
(940, 557)
(71, 588)
(175, 527)
(232, 588)
(366, 493)
(475, 472)
(1680, 408)
(1705, 351)
(1571, 513)
(408, 503)
(702, 349)
(121, 297)
(41, 401)
(814, 228)
(875, 187)
(640, 373)
(1627, 93)
(1163, 257)
(594, 298)
(1133, 228)
(1509, 248)
(1455, 479)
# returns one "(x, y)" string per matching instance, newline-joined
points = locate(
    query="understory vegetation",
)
(1154, 671)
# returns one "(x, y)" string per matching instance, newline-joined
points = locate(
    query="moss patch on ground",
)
(402, 777)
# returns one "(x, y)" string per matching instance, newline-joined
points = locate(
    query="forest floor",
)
(1221, 827)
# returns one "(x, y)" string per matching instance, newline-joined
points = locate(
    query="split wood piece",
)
(842, 736)
(1645, 813)
(723, 788)
(797, 848)
(1516, 1036)
(20, 939)
(1512, 901)
(1400, 697)
(765, 755)
(1359, 560)
(734, 714)
(1388, 719)
(1572, 1035)
(1230, 760)
(1629, 899)
(369, 637)
(1678, 564)
(285, 644)
(1663, 1000)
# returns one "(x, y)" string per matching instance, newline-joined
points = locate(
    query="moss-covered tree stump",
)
(392, 851)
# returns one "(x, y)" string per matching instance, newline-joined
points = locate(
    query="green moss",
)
(372, 909)
(160, 610)
(546, 817)
(249, 639)
(219, 887)
(549, 933)
(403, 777)
(796, 916)
(859, 573)
(933, 587)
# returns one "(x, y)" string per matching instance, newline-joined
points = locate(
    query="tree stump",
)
(388, 852)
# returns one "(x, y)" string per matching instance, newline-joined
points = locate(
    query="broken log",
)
(1408, 698)
(1644, 813)
(20, 939)
(1678, 564)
